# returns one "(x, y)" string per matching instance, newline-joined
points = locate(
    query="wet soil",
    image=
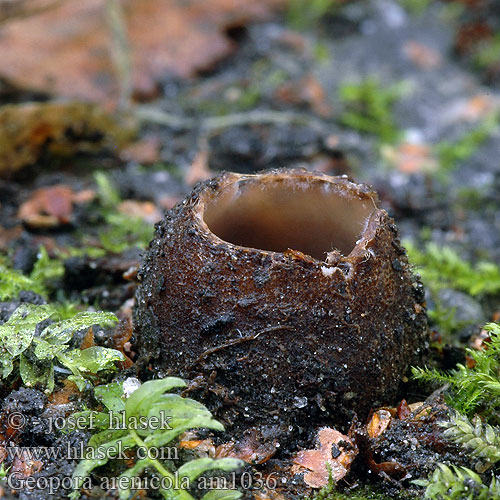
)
(445, 97)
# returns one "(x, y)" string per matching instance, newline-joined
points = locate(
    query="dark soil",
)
(373, 38)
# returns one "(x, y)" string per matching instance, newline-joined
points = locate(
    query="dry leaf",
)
(168, 201)
(419, 405)
(403, 410)
(88, 340)
(306, 91)
(23, 8)
(474, 109)
(121, 340)
(293, 40)
(8, 235)
(202, 447)
(422, 56)
(480, 341)
(51, 206)
(146, 151)
(24, 465)
(335, 449)
(63, 396)
(410, 157)
(199, 171)
(379, 422)
(29, 130)
(252, 449)
(65, 50)
(142, 209)
(470, 35)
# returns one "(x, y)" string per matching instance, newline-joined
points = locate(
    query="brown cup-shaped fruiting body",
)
(286, 296)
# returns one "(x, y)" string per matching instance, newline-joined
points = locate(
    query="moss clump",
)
(368, 108)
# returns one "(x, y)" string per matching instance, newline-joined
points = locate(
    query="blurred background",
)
(112, 110)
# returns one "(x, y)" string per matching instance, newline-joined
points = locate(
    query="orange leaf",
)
(335, 449)
(379, 422)
(65, 50)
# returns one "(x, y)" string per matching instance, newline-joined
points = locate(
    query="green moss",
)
(82, 251)
(472, 199)
(368, 108)
(322, 52)
(32, 351)
(445, 320)
(360, 493)
(152, 400)
(242, 95)
(474, 388)
(451, 154)
(42, 279)
(474, 391)
(488, 53)
(303, 15)
(120, 231)
(442, 267)
(123, 232)
(330, 492)
(458, 483)
(480, 439)
(109, 197)
(415, 7)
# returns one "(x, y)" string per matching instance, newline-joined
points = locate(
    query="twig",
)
(11, 9)
(152, 115)
(240, 340)
(257, 117)
(149, 114)
(120, 51)
(437, 393)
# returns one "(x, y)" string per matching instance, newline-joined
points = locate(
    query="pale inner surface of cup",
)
(312, 216)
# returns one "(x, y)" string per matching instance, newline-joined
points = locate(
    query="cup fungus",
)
(286, 296)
